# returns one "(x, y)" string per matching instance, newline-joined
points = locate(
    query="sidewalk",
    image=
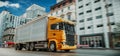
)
(101, 48)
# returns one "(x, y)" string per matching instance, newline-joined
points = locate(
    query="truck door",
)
(55, 31)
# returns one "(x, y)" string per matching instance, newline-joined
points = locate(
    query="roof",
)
(34, 7)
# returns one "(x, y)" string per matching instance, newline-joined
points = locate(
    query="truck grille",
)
(70, 40)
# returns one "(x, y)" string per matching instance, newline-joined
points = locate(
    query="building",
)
(31, 12)
(64, 9)
(34, 10)
(59, 1)
(96, 21)
(8, 25)
(2, 15)
(23, 19)
(8, 21)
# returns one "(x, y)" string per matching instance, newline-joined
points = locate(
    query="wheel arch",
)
(55, 41)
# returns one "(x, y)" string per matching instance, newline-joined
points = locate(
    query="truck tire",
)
(27, 47)
(52, 47)
(19, 47)
(32, 46)
(67, 50)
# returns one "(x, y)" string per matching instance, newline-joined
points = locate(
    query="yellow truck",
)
(50, 33)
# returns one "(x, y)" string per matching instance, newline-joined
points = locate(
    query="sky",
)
(18, 7)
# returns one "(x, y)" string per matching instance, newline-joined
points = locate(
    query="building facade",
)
(59, 1)
(8, 21)
(8, 24)
(33, 11)
(64, 9)
(96, 21)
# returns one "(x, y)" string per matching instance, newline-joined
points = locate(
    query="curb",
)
(99, 48)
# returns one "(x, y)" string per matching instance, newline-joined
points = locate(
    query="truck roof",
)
(61, 19)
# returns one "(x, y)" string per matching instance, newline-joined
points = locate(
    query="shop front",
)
(92, 41)
(116, 40)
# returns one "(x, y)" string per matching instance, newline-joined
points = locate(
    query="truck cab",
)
(61, 34)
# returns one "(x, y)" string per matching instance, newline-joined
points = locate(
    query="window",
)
(26, 20)
(81, 20)
(96, 1)
(80, 6)
(69, 16)
(101, 25)
(89, 19)
(21, 22)
(11, 19)
(57, 26)
(79, 0)
(89, 27)
(98, 8)
(98, 17)
(108, 5)
(54, 26)
(88, 4)
(62, 16)
(110, 14)
(82, 28)
(81, 13)
(112, 23)
(89, 11)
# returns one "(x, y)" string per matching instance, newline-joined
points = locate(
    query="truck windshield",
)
(69, 29)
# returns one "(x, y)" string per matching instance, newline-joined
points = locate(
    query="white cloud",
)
(3, 3)
(15, 5)
(6, 3)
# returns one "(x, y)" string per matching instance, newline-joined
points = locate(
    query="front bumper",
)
(67, 47)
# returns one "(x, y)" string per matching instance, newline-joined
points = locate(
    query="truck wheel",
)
(32, 46)
(16, 48)
(67, 50)
(27, 46)
(19, 47)
(52, 47)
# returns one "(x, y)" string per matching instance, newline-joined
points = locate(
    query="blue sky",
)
(18, 7)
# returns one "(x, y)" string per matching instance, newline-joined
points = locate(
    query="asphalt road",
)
(78, 52)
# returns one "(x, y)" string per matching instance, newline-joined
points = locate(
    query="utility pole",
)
(109, 25)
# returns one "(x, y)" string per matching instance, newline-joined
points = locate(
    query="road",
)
(78, 52)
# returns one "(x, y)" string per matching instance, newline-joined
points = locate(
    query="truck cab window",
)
(55, 26)
(61, 26)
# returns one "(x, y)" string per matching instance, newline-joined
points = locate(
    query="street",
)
(78, 52)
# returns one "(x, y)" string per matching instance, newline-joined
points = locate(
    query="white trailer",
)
(32, 31)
